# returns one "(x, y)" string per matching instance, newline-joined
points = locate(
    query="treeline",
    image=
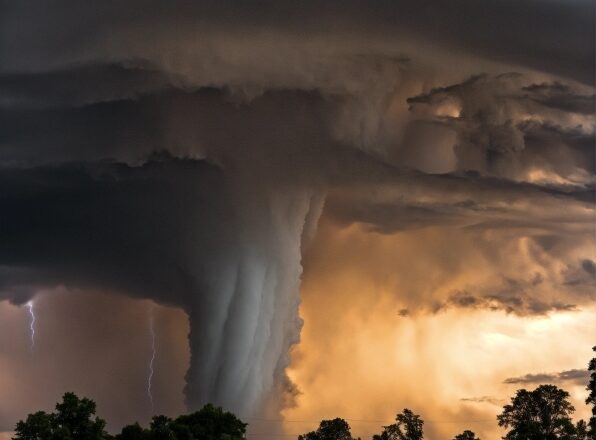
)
(74, 419)
(541, 414)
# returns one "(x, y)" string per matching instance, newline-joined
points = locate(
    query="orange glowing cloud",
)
(363, 358)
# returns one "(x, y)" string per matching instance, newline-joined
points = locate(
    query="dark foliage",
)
(541, 414)
(591, 400)
(336, 429)
(408, 426)
(73, 420)
(466, 435)
(209, 423)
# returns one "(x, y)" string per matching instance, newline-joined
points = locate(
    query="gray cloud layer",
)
(580, 377)
(506, 31)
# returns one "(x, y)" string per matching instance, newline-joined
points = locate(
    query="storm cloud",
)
(186, 152)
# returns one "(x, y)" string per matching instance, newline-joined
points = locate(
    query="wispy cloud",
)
(483, 399)
(575, 375)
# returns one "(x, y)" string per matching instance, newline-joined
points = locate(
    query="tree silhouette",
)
(209, 423)
(592, 396)
(133, 432)
(162, 429)
(38, 426)
(581, 431)
(336, 429)
(541, 414)
(466, 435)
(74, 419)
(408, 427)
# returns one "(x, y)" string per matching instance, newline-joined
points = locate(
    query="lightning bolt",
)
(32, 324)
(152, 360)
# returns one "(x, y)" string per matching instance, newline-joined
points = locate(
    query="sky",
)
(309, 210)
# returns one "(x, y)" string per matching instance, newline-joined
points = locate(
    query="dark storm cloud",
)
(79, 86)
(580, 377)
(459, 200)
(389, 218)
(560, 96)
(174, 231)
(582, 275)
(519, 303)
(280, 131)
(550, 141)
(221, 238)
(590, 267)
(111, 225)
(506, 31)
(266, 113)
(501, 130)
(555, 95)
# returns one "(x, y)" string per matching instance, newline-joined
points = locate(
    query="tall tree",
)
(336, 429)
(581, 431)
(466, 435)
(408, 426)
(541, 414)
(73, 419)
(592, 397)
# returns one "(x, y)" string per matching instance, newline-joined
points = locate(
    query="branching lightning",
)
(152, 360)
(32, 324)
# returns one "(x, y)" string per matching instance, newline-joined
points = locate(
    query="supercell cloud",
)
(185, 152)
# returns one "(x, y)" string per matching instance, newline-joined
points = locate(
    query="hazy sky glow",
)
(337, 209)
(358, 357)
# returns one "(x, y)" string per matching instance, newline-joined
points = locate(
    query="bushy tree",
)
(408, 426)
(162, 429)
(38, 426)
(336, 429)
(541, 414)
(466, 435)
(209, 423)
(133, 432)
(73, 420)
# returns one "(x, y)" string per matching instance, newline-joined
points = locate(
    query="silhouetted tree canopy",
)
(209, 423)
(73, 420)
(466, 435)
(581, 431)
(212, 423)
(408, 426)
(336, 429)
(541, 414)
(132, 432)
